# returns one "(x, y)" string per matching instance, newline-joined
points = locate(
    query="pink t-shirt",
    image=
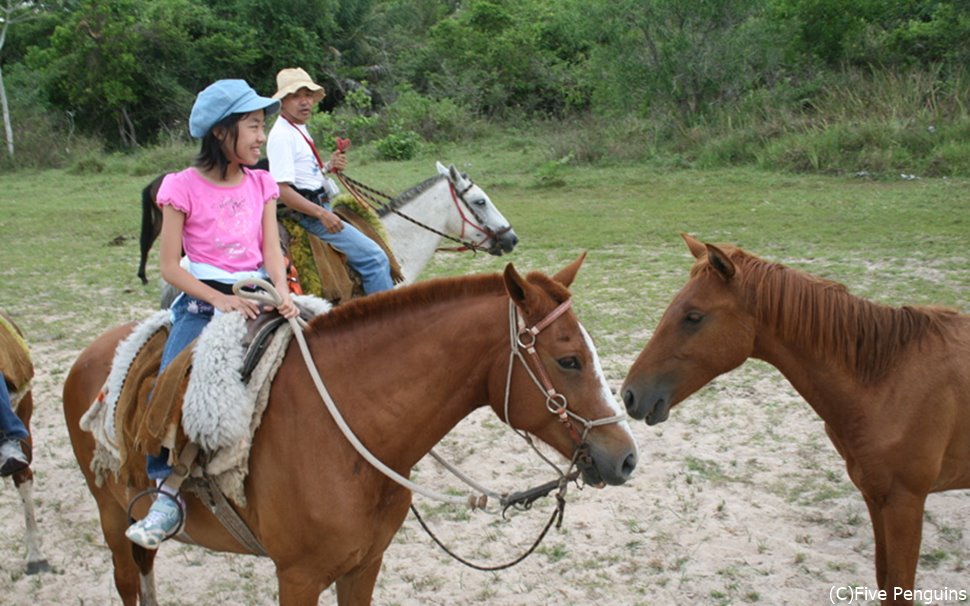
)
(223, 225)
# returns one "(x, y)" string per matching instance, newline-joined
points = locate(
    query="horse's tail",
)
(151, 223)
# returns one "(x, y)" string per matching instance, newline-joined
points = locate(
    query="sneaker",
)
(12, 458)
(162, 522)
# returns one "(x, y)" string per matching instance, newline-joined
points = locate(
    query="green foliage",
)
(704, 83)
(129, 68)
(669, 56)
(167, 156)
(399, 145)
(432, 119)
(552, 173)
(878, 32)
(43, 139)
(494, 55)
(89, 165)
(353, 121)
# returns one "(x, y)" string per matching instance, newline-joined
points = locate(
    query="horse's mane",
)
(822, 315)
(403, 198)
(423, 294)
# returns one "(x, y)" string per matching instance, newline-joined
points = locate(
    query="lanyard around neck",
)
(309, 142)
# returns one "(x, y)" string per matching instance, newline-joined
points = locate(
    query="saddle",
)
(322, 269)
(144, 428)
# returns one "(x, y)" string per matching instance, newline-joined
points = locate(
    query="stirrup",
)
(160, 494)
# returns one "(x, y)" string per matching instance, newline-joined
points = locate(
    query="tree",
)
(128, 69)
(678, 59)
(11, 12)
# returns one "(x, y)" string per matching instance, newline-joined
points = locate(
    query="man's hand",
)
(338, 161)
(330, 221)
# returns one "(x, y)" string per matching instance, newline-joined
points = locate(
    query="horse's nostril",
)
(628, 400)
(629, 464)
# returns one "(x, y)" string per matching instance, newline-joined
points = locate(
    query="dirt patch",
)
(739, 498)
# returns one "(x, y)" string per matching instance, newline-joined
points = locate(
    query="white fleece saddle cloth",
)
(220, 412)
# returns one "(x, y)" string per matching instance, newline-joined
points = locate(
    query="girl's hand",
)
(287, 307)
(227, 303)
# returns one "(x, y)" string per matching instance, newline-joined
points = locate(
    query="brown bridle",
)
(523, 339)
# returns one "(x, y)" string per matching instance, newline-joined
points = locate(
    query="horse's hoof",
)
(38, 567)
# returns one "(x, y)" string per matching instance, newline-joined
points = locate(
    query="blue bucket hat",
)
(223, 98)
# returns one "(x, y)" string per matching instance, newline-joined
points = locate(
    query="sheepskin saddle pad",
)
(201, 396)
(322, 269)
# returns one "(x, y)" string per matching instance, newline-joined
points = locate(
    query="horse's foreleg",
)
(145, 560)
(356, 588)
(879, 536)
(132, 571)
(299, 587)
(36, 562)
(902, 523)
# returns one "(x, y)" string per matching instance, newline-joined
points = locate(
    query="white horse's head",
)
(495, 234)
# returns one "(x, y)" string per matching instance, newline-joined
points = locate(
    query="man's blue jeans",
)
(364, 256)
(11, 427)
(189, 317)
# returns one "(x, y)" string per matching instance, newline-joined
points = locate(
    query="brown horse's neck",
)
(406, 376)
(827, 342)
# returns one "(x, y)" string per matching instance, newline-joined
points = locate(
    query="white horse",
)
(446, 206)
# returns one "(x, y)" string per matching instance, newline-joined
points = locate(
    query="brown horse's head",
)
(557, 390)
(706, 331)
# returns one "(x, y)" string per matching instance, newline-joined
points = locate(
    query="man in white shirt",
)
(304, 186)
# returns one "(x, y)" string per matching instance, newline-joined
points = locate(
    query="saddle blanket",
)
(220, 412)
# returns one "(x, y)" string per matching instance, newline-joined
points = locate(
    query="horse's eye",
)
(694, 317)
(570, 363)
(479, 202)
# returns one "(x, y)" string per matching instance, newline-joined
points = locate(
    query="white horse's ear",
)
(441, 168)
(456, 177)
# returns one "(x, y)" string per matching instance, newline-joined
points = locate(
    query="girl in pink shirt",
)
(224, 216)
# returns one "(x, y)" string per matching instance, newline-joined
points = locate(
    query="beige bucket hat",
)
(292, 79)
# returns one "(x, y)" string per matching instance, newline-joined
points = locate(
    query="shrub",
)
(89, 165)
(166, 157)
(399, 145)
(433, 120)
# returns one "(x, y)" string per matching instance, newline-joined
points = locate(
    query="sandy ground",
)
(738, 499)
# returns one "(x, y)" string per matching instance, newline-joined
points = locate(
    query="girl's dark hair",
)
(211, 154)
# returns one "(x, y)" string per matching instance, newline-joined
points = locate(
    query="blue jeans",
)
(364, 256)
(11, 427)
(189, 317)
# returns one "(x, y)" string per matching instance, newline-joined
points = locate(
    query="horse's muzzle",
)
(600, 466)
(653, 406)
(503, 243)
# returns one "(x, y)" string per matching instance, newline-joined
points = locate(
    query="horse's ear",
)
(720, 261)
(519, 289)
(456, 177)
(567, 274)
(696, 247)
(442, 170)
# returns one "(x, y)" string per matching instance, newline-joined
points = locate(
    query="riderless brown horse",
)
(404, 367)
(891, 384)
(17, 377)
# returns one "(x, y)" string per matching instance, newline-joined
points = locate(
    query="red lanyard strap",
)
(309, 142)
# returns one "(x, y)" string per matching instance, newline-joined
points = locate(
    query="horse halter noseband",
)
(523, 347)
(478, 224)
